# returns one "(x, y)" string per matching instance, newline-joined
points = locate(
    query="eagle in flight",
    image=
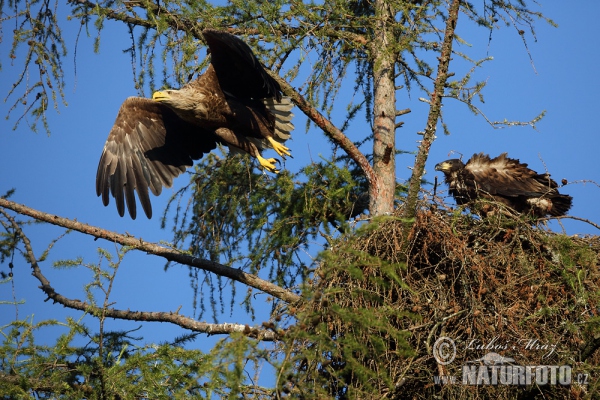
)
(235, 102)
(504, 180)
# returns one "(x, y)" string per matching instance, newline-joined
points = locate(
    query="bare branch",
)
(105, 312)
(151, 248)
(499, 124)
(595, 225)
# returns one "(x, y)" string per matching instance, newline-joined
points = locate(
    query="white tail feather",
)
(283, 126)
(282, 111)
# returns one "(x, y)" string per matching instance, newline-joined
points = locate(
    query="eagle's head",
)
(449, 166)
(186, 102)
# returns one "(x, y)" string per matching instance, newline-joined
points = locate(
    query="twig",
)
(572, 217)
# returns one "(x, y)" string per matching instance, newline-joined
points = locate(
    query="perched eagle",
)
(234, 102)
(506, 181)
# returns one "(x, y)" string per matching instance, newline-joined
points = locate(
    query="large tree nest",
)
(502, 281)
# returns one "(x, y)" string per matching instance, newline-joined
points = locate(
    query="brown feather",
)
(234, 102)
(504, 180)
(147, 148)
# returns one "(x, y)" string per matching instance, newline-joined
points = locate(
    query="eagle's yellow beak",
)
(160, 96)
(443, 166)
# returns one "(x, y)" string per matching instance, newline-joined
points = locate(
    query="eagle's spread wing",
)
(235, 102)
(508, 177)
(147, 147)
(240, 73)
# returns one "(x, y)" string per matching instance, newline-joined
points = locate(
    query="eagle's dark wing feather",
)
(508, 177)
(240, 73)
(146, 149)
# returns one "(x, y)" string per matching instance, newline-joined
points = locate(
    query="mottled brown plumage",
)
(504, 180)
(234, 102)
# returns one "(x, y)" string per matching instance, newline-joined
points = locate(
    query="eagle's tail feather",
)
(282, 110)
(561, 203)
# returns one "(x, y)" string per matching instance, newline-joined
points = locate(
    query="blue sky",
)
(56, 173)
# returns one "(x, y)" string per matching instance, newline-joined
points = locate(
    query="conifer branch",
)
(195, 29)
(46, 385)
(151, 248)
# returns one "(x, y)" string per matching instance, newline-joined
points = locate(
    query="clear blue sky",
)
(56, 174)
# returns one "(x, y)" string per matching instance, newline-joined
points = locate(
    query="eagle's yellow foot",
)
(268, 164)
(279, 148)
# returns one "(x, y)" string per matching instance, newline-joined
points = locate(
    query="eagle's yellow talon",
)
(279, 148)
(268, 164)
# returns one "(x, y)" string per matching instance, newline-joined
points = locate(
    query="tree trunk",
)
(384, 115)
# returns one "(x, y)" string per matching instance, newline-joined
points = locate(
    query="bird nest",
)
(503, 291)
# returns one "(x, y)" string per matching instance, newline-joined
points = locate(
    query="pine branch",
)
(45, 385)
(114, 15)
(195, 29)
(105, 312)
(151, 248)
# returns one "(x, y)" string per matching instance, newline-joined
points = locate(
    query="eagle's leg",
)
(233, 139)
(279, 148)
